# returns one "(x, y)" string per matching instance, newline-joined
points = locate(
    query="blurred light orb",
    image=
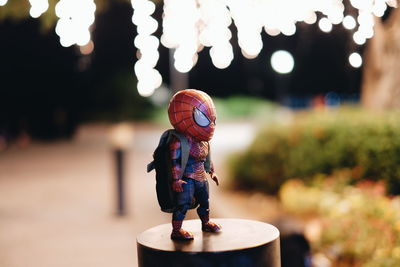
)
(379, 8)
(38, 7)
(349, 22)
(150, 58)
(221, 64)
(87, 49)
(251, 46)
(144, 88)
(359, 38)
(325, 25)
(355, 60)
(35, 13)
(3, 2)
(141, 69)
(248, 56)
(221, 56)
(311, 18)
(282, 62)
(183, 65)
(121, 135)
(289, 29)
(147, 26)
(145, 7)
(272, 31)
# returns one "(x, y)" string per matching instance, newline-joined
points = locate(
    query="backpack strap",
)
(207, 163)
(185, 149)
(163, 139)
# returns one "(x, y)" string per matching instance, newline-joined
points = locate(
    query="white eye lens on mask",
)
(200, 118)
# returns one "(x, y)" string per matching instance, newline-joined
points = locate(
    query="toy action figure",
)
(192, 113)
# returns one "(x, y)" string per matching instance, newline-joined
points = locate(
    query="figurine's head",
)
(192, 112)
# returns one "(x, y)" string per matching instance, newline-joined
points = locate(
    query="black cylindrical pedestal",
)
(242, 243)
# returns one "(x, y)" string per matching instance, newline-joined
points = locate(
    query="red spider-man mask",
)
(192, 112)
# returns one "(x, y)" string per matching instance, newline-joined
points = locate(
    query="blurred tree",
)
(381, 80)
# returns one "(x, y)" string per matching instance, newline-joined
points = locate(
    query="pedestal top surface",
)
(236, 234)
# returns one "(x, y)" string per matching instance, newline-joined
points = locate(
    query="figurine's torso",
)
(197, 156)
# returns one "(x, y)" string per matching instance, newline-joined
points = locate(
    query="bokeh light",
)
(359, 38)
(311, 18)
(87, 49)
(221, 55)
(75, 18)
(38, 7)
(325, 25)
(379, 8)
(282, 61)
(355, 60)
(349, 22)
(3, 2)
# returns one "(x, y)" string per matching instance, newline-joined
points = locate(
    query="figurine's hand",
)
(177, 185)
(215, 178)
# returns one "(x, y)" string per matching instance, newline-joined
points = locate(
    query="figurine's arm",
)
(213, 175)
(176, 154)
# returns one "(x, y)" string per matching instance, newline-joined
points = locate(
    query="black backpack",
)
(162, 163)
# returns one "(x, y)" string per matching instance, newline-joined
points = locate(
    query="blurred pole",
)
(121, 137)
(178, 80)
(119, 155)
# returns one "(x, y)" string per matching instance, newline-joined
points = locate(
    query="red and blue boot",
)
(178, 233)
(207, 226)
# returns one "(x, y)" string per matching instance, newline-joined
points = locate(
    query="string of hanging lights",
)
(147, 44)
(190, 25)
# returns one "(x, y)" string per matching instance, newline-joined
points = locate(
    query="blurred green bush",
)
(350, 225)
(320, 142)
(244, 107)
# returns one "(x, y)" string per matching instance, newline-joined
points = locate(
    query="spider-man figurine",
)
(192, 113)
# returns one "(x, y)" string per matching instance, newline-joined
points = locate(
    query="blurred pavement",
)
(57, 200)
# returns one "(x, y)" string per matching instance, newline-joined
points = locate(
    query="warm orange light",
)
(87, 49)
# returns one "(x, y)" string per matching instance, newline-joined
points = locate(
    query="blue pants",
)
(196, 189)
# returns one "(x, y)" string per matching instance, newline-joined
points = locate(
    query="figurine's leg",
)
(183, 201)
(202, 195)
